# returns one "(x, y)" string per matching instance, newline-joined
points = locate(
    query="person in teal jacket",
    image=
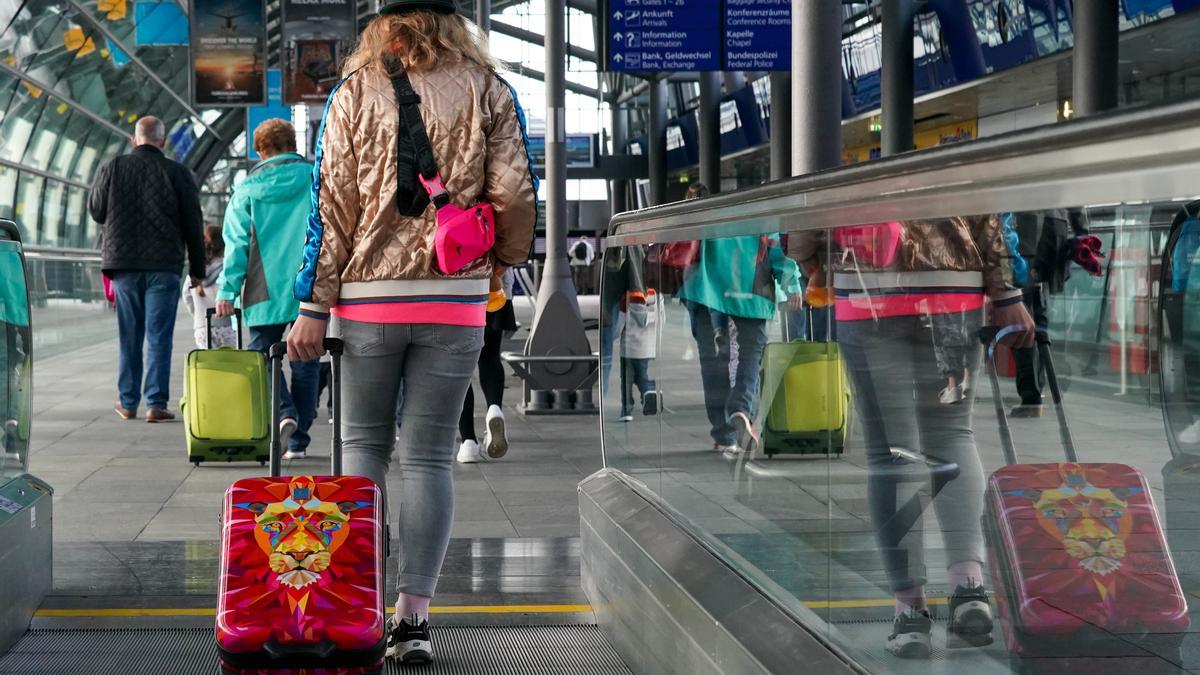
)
(731, 291)
(264, 231)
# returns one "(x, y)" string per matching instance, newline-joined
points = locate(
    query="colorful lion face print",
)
(301, 559)
(1091, 522)
(1080, 545)
(301, 532)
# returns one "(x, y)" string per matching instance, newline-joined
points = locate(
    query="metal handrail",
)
(53, 254)
(1132, 156)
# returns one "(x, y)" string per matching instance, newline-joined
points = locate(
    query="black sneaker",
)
(408, 641)
(970, 618)
(651, 403)
(910, 635)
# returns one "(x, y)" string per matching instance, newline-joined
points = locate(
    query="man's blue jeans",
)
(722, 398)
(146, 306)
(300, 403)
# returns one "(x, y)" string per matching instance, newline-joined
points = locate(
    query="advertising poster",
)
(316, 35)
(229, 53)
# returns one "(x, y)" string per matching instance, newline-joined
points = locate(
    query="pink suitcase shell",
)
(1078, 549)
(1078, 559)
(301, 573)
(301, 587)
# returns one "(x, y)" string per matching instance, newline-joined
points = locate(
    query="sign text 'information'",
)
(698, 35)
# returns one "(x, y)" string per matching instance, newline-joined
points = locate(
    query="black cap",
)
(398, 6)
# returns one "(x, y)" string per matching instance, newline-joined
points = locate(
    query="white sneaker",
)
(469, 453)
(287, 427)
(295, 454)
(747, 436)
(951, 395)
(495, 438)
(731, 449)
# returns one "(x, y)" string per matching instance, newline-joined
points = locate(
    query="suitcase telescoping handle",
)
(276, 353)
(991, 336)
(208, 317)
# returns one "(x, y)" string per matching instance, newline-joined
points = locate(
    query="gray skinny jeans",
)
(896, 379)
(436, 363)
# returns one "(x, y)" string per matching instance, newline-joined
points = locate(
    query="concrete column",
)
(897, 76)
(557, 325)
(656, 139)
(781, 125)
(1096, 76)
(483, 15)
(816, 85)
(556, 150)
(618, 189)
(710, 130)
(733, 80)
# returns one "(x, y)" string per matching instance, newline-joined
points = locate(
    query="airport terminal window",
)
(8, 189)
(865, 480)
(29, 206)
(41, 149)
(18, 125)
(73, 137)
(53, 207)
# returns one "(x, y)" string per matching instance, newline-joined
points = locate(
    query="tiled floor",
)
(129, 481)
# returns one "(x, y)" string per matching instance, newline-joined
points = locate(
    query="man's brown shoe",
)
(123, 413)
(158, 415)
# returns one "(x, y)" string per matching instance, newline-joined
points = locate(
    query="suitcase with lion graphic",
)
(1079, 563)
(301, 587)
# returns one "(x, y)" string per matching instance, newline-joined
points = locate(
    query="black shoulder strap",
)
(414, 153)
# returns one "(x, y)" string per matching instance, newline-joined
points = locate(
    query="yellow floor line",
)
(209, 611)
(453, 609)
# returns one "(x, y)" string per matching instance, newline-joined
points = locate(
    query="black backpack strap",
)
(414, 153)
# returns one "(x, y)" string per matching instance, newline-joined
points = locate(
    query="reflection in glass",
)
(15, 358)
(896, 518)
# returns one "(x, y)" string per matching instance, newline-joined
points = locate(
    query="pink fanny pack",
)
(876, 245)
(463, 235)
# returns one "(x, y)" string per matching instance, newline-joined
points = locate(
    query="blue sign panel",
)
(664, 35)
(758, 34)
(274, 109)
(159, 24)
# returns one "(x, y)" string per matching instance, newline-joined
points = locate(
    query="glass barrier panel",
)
(837, 425)
(631, 339)
(16, 361)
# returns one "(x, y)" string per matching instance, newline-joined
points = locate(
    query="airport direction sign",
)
(664, 35)
(757, 35)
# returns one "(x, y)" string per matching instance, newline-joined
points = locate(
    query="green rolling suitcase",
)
(226, 404)
(807, 399)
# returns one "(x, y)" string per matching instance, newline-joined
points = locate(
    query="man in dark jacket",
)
(148, 207)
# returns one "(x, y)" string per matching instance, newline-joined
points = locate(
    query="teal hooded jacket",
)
(264, 231)
(742, 276)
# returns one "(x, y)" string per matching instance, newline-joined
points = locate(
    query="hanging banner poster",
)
(229, 53)
(316, 35)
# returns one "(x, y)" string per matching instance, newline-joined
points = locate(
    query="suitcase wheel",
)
(196, 462)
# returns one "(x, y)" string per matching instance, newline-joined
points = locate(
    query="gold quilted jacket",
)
(358, 242)
(964, 245)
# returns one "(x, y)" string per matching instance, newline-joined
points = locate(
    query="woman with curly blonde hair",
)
(370, 260)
